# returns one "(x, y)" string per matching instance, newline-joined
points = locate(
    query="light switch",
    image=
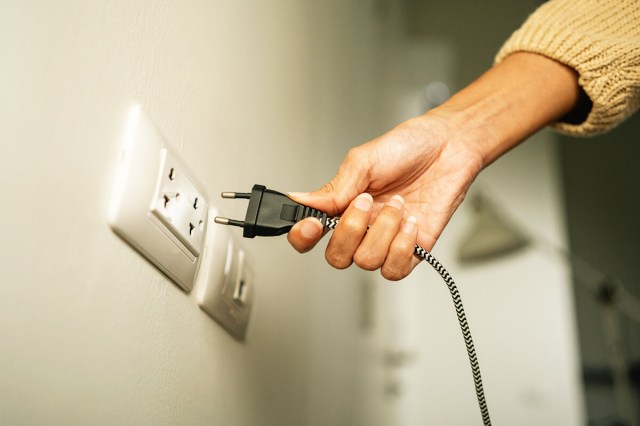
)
(225, 281)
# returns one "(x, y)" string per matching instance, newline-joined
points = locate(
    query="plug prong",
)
(226, 221)
(236, 195)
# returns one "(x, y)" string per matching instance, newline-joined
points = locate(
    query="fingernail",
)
(410, 225)
(396, 201)
(298, 194)
(311, 229)
(363, 202)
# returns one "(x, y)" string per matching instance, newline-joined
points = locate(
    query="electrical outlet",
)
(226, 282)
(158, 206)
(178, 204)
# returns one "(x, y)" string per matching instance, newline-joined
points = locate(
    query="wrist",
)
(509, 103)
(477, 123)
(467, 126)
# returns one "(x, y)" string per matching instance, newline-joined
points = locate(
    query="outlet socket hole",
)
(171, 176)
(195, 203)
(191, 228)
(166, 201)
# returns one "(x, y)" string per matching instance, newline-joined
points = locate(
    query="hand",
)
(430, 162)
(406, 184)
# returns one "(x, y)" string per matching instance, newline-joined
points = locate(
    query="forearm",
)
(510, 102)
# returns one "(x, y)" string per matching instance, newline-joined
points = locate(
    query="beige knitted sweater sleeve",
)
(600, 39)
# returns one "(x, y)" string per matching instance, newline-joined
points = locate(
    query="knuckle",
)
(354, 154)
(336, 260)
(393, 273)
(403, 246)
(366, 261)
(388, 219)
(350, 226)
(327, 187)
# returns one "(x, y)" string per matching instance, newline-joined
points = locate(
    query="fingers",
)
(372, 253)
(349, 233)
(400, 260)
(305, 234)
(388, 244)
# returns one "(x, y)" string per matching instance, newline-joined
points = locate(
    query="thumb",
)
(334, 197)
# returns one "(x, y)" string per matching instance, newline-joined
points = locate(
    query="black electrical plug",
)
(269, 213)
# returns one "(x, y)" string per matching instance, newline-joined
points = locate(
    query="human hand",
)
(430, 162)
(405, 184)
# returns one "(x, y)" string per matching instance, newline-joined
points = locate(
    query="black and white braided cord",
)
(423, 254)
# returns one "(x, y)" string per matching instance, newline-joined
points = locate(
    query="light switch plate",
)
(158, 206)
(225, 282)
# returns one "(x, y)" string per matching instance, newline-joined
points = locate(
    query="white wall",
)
(91, 332)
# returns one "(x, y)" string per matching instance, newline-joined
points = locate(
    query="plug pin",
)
(226, 221)
(236, 195)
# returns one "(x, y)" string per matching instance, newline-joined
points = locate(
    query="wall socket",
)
(178, 204)
(158, 206)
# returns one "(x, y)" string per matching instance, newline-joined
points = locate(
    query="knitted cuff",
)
(601, 41)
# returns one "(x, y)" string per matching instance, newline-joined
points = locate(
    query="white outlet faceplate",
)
(225, 282)
(178, 204)
(158, 206)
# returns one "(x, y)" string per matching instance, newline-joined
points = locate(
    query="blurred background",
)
(544, 250)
